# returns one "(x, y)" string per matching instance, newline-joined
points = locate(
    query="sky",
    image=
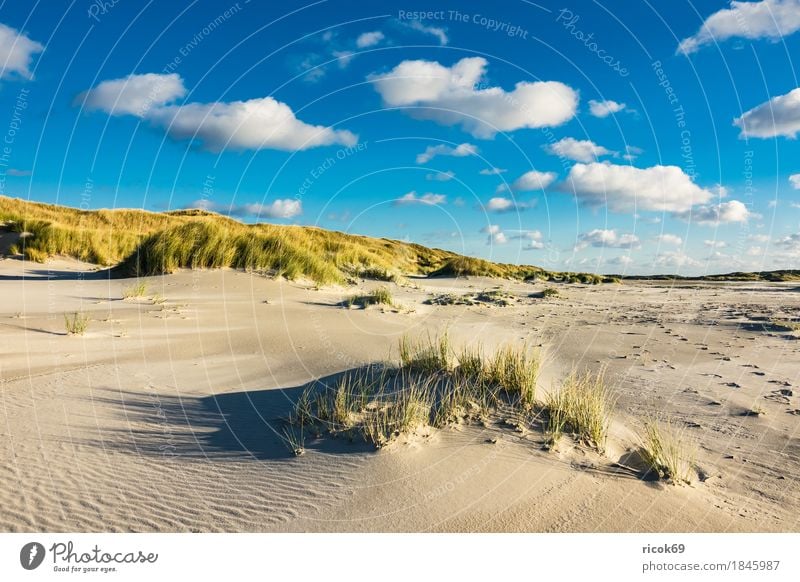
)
(607, 136)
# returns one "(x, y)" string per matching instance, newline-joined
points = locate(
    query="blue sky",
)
(608, 136)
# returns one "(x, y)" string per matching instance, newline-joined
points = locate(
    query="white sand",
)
(167, 417)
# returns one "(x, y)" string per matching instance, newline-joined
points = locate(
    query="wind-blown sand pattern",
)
(167, 415)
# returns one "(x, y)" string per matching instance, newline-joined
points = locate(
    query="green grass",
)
(380, 296)
(666, 453)
(76, 324)
(430, 355)
(581, 406)
(135, 291)
(515, 370)
(550, 292)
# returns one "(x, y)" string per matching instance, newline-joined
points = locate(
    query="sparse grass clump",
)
(550, 292)
(666, 453)
(135, 291)
(429, 356)
(76, 324)
(516, 371)
(381, 296)
(581, 406)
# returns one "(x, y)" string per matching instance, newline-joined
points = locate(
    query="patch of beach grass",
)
(666, 452)
(135, 291)
(380, 296)
(76, 324)
(581, 406)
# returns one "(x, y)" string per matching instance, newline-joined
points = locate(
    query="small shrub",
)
(582, 406)
(550, 292)
(76, 324)
(665, 453)
(139, 289)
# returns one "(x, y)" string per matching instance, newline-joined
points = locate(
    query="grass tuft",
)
(582, 406)
(516, 371)
(77, 324)
(380, 296)
(666, 453)
(432, 355)
(135, 291)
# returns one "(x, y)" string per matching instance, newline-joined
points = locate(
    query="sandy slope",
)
(167, 416)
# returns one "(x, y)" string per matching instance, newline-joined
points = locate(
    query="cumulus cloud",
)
(441, 176)
(495, 235)
(16, 53)
(456, 96)
(134, 95)
(460, 151)
(713, 214)
(279, 208)
(624, 260)
(532, 238)
(676, 259)
(790, 243)
(577, 150)
(256, 124)
(670, 239)
(437, 31)
(771, 19)
(500, 204)
(493, 171)
(530, 181)
(368, 39)
(780, 116)
(631, 153)
(601, 238)
(604, 108)
(658, 188)
(427, 198)
(794, 180)
(715, 244)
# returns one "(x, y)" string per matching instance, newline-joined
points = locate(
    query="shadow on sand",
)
(234, 425)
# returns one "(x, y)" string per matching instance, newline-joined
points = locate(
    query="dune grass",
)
(581, 406)
(430, 355)
(381, 296)
(135, 291)
(666, 452)
(76, 324)
(515, 370)
(144, 243)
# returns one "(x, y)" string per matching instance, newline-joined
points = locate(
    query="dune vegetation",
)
(141, 243)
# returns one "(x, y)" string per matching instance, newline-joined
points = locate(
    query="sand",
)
(167, 414)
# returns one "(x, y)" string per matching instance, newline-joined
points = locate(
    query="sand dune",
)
(167, 415)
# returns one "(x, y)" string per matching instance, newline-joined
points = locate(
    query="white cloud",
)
(670, 239)
(344, 58)
(501, 204)
(578, 150)
(715, 244)
(627, 189)
(456, 96)
(533, 238)
(790, 243)
(624, 260)
(713, 214)
(254, 124)
(280, 208)
(601, 238)
(754, 251)
(368, 39)
(676, 259)
(762, 238)
(604, 108)
(438, 32)
(441, 176)
(530, 181)
(495, 235)
(460, 151)
(794, 180)
(493, 171)
(780, 116)
(772, 19)
(16, 53)
(631, 153)
(135, 95)
(427, 198)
